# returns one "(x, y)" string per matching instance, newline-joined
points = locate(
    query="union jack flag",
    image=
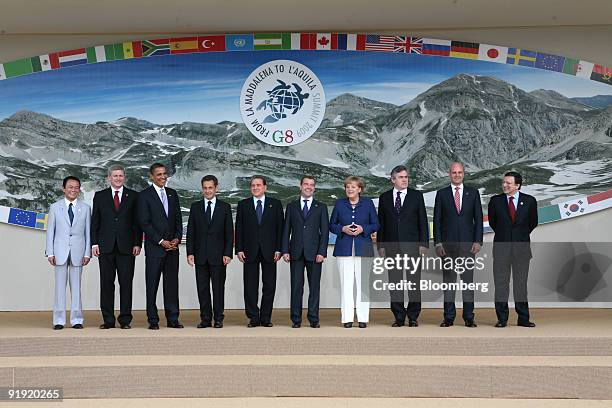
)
(414, 45)
(388, 43)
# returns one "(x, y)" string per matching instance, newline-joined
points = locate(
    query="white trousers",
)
(350, 274)
(67, 274)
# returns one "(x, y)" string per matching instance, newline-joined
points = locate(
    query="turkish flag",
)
(211, 43)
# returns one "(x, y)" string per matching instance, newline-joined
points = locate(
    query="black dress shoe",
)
(58, 327)
(413, 323)
(447, 323)
(153, 326)
(363, 325)
(501, 324)
(126, 326)
(77, 326)
(253, 324)
(526, 324)
(296, 325)
(348, 325)
(470, 323)
(267, 324)
(175, 325)
(315, 325)
(218, 325)
(397, 323)
(204, 325)
(106, 326)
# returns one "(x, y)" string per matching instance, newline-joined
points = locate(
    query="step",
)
(400, 376)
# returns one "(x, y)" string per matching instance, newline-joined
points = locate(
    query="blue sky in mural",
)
(205, 87)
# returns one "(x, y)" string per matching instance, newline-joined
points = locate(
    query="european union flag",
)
(549, 62)
(22, 217)
(239, 42)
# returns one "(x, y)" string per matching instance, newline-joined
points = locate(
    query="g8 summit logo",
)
(282, 103)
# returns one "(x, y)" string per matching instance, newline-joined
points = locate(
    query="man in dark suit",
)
(305, 238)
(159, 216)
(403, 230)
(259, 229)
(458, 234)
(209, 247)
(116, 240)
(512, 216)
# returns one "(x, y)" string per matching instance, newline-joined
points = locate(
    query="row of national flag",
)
(308, 41)
(556, 212)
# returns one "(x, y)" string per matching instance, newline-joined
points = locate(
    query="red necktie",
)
(512, 209)
(457, 200)
(116, 200)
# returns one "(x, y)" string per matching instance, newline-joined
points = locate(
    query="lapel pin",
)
(270, 205)
(522, 203)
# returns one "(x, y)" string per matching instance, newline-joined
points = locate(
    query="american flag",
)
(388, 43)
(414, 45)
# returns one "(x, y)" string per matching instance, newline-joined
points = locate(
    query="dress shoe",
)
(501, 324)
(203, 325)
(252, 323)
(58, 327)
(106, 326)
(175, 325)
(470, 323)
(315, 325)
(77, 326)
(348, 325)
(296, 325)
(397, 323)
(413, 323)
(526, 324)
(125, 326)
(153, 326)
(218, 325)
(267, 324)
(447, 323)
(363, 325)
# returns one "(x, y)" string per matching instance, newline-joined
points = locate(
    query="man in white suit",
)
(68, 249)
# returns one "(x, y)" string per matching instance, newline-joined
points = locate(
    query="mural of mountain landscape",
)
(562, 145)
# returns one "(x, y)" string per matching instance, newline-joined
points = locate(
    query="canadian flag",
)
(492, 53)
(327, 41)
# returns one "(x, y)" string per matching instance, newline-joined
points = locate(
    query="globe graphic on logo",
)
(282, 99)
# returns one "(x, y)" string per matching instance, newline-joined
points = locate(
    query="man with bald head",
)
(457, 233)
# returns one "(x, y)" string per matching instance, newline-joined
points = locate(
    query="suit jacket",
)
(154, 222)
(64, 239)
(110, 227)
(363, 214)
(464, 228)
(251, 237)
(517, 233)
(409, 227)
(305, 237)
(209, 241)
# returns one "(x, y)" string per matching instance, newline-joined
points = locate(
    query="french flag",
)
(352, 42)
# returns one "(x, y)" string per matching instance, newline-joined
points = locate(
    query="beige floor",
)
(550, 322)
(321, 403)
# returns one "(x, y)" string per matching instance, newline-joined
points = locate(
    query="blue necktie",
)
(398, 202)
(70, 213)
(259, 211)
(305, 209)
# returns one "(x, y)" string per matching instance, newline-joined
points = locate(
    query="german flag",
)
(460, 49)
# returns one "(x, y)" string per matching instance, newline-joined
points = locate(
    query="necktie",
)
(398, 202)
(116, 200)
(305, 209)
(164, 200)
(512, 209)
(259, 211)
(208, 212)
(457, 200)
(70, 213)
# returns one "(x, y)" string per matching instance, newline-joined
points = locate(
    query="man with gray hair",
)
(116, 240)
